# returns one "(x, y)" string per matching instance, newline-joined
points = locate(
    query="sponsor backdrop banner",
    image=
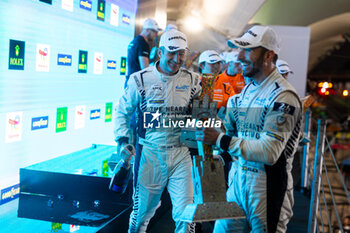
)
(60, 77)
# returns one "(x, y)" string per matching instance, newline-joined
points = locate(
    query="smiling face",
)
(252, 61)
(234, 68)
(170, 62)
(211, 68)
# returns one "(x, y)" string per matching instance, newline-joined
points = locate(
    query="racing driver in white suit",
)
(263, 125)
(164, 91)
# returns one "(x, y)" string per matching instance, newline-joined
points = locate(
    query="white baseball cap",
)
(209, 56)
(232, 56)
(256, 36)
(151, 24)
(170, 27)
(283, 67)
(173, 40)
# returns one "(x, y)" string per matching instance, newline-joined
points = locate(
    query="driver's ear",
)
(268, 56)
(159, 52)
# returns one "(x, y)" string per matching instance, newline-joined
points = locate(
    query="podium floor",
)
(9, 222)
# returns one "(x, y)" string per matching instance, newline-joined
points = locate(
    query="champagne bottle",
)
(122, 171)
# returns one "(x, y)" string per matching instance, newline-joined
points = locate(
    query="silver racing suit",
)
(263, 122)
(161, 161)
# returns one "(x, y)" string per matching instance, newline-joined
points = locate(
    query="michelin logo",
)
(40, 122)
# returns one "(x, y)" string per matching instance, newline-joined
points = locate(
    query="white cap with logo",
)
(173, 40)
(170, 27)
(209, 56)
(151, 24)
(232, 56)
(283, 67)
(256, 36)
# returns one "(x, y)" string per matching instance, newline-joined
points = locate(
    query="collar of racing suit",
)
(272, 75)
(165, 77)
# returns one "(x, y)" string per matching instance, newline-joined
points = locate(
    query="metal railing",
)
(324, 203)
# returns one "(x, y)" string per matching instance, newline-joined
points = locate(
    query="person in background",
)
(163, 91)
(263, 130)
(139, 49)
(170, 27)
(283, 68)
(233, 74)
(210, 63)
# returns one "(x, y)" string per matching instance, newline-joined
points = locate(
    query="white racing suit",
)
(161, 161)
(264, 122)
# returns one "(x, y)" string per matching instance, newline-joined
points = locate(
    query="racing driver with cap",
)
(163, 91)
(263, 127)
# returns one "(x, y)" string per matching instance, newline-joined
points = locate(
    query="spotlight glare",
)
(193, 24)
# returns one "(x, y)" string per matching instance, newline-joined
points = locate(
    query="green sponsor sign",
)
(105, 168)
(101, 7)
(56, 227)
(16, 55)
(109, 107)
(82, 64)
(122, 65)
(61, 119)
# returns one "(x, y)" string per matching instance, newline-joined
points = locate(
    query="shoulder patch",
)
(283, 107)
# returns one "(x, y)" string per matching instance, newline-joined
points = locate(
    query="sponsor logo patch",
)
(95, 114)
(98, 63)
(13, 126)
(61, 119)
(242, 43)
(16, 55)
(122, 65)
(43, 57)
(101, 7)
(9, 194)
(156, 101)
(109, 107)
(284, 107)
(114, 15)
(83, 58)
(64, 59)
(85, 4)
(250, 169)
(67, 5)
(252, 33)
(126, 19)
(111, 65)
(40, 122)
(182, 88)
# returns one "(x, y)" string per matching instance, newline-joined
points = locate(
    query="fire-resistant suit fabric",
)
(264, 122)
(161, 161)
(222, 92)
(236, 82)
